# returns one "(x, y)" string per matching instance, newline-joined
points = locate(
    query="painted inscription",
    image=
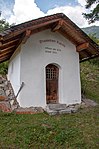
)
(49, 49)
(52, 50)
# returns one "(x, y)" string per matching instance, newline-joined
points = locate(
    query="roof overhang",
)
(13, 37)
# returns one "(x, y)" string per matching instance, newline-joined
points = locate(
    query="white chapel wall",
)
(14, 72)
(40, 50)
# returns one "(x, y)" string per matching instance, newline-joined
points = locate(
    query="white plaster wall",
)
(14, 72)
(34, 59)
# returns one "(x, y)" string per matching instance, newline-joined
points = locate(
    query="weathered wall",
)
(14, 71)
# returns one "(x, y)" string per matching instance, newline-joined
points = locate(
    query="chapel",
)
(44, 60)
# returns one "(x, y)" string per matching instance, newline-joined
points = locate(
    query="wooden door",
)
(52, 75)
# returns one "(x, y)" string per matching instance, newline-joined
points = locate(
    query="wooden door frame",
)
(57, 66)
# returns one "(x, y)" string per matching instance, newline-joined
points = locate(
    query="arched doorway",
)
(52, 75)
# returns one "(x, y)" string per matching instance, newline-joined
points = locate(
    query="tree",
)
(94, 14)
(3, 24)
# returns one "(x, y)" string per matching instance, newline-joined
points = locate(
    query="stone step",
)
(54, 109)
(55, 112)
(56, 106)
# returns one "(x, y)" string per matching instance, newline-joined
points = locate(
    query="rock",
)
(2, 85)
(68, 110)
(7, 92)
(6, 83)
(5, 106)
(40, 109)
(89, 102)
(2, 98)
(77, 106)
(52, 112)
(54, 109)
(2, 92)
(56, 106)
(30, 110)
(1, 81)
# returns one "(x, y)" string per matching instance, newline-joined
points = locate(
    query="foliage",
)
(3, 25)
(94, 38)
(41, 131)
(95, 61)
(4, 68)
(94, 14)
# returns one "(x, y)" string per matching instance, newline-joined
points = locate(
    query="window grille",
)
(51, 73)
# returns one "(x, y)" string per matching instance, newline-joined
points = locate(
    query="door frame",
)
(58, 90)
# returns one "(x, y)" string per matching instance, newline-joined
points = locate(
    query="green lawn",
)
(41, 131)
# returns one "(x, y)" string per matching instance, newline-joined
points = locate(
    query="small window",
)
(51, 73)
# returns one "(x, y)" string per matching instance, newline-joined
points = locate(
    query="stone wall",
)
(8, 101)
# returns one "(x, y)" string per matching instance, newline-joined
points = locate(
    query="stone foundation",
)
(7, 98)
(5, 106)
(30, 110)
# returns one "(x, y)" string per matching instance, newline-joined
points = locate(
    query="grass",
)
(70, 131)
(41, 131)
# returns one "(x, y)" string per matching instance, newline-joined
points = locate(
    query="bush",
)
(95, 61)
(4, 68)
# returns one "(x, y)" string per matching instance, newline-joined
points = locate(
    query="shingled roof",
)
(11, 39)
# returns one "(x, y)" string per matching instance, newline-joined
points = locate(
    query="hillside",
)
(90, 80)
(92, 30)
(90, 71)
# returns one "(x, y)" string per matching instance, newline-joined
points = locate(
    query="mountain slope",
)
(92, 30)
